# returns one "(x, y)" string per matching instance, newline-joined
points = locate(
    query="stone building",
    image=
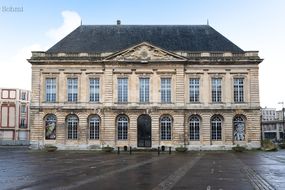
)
(272, 123)
(145, 86)
(14, 116)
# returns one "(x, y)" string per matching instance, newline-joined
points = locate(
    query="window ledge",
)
(217, 103)
(91, 102)
(194, 103)
(122, 103)
(165, 103)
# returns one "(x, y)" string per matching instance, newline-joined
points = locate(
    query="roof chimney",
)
(118, 22)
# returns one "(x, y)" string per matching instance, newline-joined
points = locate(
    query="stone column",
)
(155, 88)
(227, 130)
(132, 132)
(227, 89)
(206, 129)
(133, 88)
(205, 88)
(62, 88)
(155, 129)
(180, 87)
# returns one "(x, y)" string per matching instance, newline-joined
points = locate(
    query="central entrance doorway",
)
(144, 131)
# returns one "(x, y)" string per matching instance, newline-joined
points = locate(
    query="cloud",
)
(71, 20)
(17, 72)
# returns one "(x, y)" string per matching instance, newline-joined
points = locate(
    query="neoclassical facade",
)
(14, 116)
(145, 86)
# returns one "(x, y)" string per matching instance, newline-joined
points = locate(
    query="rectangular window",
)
(23, 108)
(72, 89)
(94, 90)
(23, 96)
(144, 89)
(216, 90)
(122, 90)
(194, 93)
(50, 90)
(238, 90)
(23, 123)
(165, 90)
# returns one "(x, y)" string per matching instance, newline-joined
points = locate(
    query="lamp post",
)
(283, 119)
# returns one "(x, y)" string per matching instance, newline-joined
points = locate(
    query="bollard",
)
(118, 152)
(130, 150)
(158, 151)
(169, 151)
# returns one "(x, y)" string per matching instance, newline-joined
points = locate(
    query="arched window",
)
(165, 128)
(239, 128)
(194, 128)
(122, 124)
(94, 123)
(72, 123)
(216, 124)
(50, 127)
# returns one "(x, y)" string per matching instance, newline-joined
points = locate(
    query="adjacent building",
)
(14, 116)
(272, 124)
(145, 86)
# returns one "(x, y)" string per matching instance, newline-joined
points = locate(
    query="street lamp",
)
(283, 119)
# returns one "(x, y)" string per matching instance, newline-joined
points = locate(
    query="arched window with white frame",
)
(216, 126)
(122, 125)
(194, 128)
(165, 127)
(72, 125)
(94, 127)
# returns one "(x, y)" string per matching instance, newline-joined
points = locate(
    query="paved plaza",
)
(21, 168)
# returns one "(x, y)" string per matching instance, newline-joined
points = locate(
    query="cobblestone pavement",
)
(24, 169)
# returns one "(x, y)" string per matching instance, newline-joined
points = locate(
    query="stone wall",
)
(180, 108)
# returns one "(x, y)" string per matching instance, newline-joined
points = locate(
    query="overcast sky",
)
(250, 24)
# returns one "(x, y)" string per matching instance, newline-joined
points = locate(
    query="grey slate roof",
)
(113, 38)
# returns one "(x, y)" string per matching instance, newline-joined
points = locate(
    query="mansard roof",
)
(114, 38)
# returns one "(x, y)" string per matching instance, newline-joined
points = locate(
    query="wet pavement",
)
(21, 168)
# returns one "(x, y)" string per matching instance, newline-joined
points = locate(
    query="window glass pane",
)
(23, 109)
(194, 89)
(216, 90)
(238, 90)
(72, 123)
(165, 90)
(94, 123)
(23, 123)
(50, 89)
(72, 88)
(23, 96)
(122, 90)
(144, 90)
(216, 124)
(165, 128)
(122, 124)
(194, 128)
(94, 88)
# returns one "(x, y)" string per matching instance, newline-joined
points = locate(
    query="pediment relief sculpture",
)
(145, 52)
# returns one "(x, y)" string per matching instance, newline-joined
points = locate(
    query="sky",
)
(33, 25)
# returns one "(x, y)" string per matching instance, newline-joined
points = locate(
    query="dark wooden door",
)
(144, 131)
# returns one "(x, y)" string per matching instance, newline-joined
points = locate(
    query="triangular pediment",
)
(144, 52)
